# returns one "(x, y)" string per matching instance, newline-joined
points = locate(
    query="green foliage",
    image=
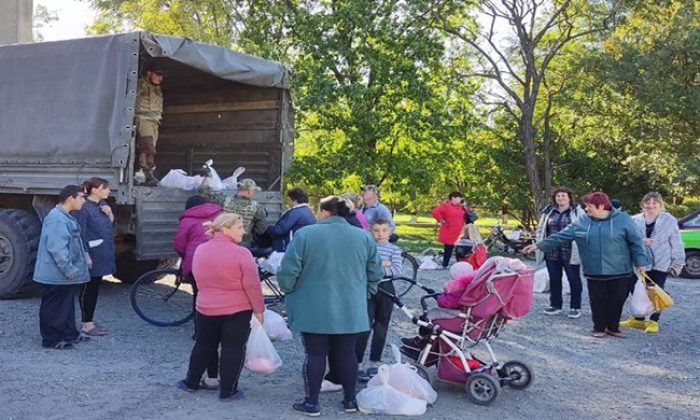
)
(395, 93)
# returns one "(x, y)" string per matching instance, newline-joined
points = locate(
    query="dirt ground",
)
(130, 374)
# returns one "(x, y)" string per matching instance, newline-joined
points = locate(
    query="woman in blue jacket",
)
(97, 231)
(298, 216)
(611, 249)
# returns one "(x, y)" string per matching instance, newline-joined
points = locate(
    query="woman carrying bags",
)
(664, 248)
(611, 249)
(229, 296)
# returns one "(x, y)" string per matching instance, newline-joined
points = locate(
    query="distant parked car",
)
(690, 233)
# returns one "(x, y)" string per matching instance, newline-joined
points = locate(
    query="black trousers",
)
(607, 298)
(339, 350)
(555, 269)
(88, 298)
(379, 308)
(57, 314)
(659, 277)
(447, 254)
(231, 331)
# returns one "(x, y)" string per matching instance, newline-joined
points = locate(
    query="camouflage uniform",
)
(252, 212)
(149, 110)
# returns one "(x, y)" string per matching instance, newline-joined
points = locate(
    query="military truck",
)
(67, 114)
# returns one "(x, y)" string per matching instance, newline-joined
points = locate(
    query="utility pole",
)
(16, 21)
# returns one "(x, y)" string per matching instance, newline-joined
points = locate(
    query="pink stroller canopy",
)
(501, 285)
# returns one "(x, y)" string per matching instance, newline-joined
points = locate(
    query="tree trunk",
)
(546, 153)
(526, 133)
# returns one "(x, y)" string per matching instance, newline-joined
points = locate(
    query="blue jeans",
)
(555, 270)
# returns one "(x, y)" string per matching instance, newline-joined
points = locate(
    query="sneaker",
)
(632, 322)
(574, 313)
(182, 384)
(550, 310)
(237, 394)
(350, 406)
(328, 386)
(652, 327)
(307, 409)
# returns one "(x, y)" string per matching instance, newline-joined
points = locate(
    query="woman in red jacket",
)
(229, 295)
(450, 214)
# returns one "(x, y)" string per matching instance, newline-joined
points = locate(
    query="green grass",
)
(417, 238)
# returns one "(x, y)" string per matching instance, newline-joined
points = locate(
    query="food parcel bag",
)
(177, 178)
(640, 304)
(386, 400)
(403, 378)
(260, 354)
(275, 327)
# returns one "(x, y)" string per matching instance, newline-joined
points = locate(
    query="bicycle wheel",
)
(161, 298)
(410, 263)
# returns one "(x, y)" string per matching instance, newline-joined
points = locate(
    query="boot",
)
(151, 179)
(631, 322)
(140, 177)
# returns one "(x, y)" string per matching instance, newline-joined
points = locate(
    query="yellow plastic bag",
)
(658, 296)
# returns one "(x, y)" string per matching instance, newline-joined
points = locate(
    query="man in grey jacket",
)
(61, 267)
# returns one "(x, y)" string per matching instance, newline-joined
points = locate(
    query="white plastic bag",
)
(213, 180)
(272, 263)
(275, 327)
(231, 183)
(640, 304)
(428, 260)
(386, 400)
(403, 378)
(177, 178)
(260, 354)
(541, 283)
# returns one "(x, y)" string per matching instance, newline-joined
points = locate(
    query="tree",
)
(518, 70)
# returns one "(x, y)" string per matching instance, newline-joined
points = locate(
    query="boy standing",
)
(61, 267)
(380, 306)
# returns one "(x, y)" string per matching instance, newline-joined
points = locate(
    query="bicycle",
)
(497, 243)
(162, 298)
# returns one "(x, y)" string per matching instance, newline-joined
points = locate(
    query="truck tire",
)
(20, 231)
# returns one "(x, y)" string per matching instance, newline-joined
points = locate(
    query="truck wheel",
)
(20, 231)
(692, 265)
(129, 269)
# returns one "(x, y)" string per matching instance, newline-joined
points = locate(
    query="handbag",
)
(657, 295)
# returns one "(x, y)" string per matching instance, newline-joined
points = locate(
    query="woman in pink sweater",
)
(229, 295)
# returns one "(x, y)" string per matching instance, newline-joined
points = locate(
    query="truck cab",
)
(68, 114)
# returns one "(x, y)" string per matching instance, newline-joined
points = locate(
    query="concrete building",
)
(15, 21)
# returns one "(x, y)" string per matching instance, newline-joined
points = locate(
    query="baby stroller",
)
(500, 291)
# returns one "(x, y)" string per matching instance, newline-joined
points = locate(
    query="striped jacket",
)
(667, 248)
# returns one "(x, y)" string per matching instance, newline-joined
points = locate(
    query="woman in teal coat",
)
(611, 248)
(327, 273)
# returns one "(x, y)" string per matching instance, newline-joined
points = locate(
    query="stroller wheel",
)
(516, 375)
(425, 373)
(482, 388)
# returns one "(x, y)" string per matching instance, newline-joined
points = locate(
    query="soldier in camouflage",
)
(149, 111)
(252, 212)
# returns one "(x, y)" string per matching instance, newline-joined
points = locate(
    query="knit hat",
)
(460, 269)
(248, 184)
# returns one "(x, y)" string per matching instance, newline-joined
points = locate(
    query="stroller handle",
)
(424, 299)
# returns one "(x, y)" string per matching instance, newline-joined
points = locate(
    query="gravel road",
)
(131, 373)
